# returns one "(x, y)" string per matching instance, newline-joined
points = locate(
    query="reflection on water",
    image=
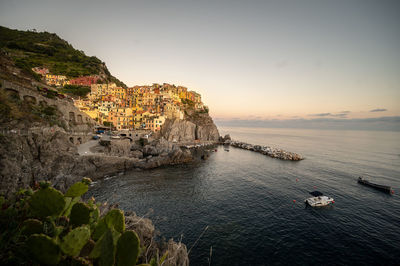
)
(246, 199)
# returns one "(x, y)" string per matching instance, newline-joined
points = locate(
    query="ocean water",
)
(253, 205)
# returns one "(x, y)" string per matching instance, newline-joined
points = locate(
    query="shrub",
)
(76, 90)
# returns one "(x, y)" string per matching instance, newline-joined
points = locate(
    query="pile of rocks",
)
(266, 150)
(154, 154)
(199, 145)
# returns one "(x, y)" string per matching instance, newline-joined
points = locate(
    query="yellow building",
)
(121, 118)
(56, 80)
(172, 111)
(102, 89)
(155, 123)
(118, 92)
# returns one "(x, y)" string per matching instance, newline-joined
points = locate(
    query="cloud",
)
(342, 114)
(378, 110)
(321, 114)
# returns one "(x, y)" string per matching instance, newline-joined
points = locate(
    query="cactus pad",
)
(115, 219)
(47, 202)
(80, 214)
(74, 241)
(107, 250)
(44, 249)
(77, 190)
(127, 249)
(31, 226)
(101, 227)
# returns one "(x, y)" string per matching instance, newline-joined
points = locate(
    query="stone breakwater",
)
(203, 144)
(266, 150)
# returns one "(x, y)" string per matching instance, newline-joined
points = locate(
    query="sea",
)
(244, 208)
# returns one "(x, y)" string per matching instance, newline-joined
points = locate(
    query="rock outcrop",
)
(195, 126)
(32, 157)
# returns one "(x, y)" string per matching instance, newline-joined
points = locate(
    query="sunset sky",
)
(300, 59)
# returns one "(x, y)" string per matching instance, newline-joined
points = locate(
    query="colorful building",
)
(56, 80)
(41, 71)
(84, 81)
(155, 123)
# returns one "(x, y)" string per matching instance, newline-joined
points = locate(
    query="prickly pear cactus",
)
(128, 248)
(49, 227)
(97, 250)
(69, 203)
(47, 202)
(107, 249)
(80, 214)
(44, 249)
(74, 241)
(87, 248)
(100, 229)
(44, 184)
(115, 219)
(95, 214)
(77, 190)
(31, 226)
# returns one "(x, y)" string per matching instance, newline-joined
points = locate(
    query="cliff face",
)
(195, 126)
(33, 157)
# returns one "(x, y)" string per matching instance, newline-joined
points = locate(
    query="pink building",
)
(84, 81)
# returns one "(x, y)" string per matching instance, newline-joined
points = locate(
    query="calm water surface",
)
(246, 200)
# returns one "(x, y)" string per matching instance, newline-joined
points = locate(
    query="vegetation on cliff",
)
(12, 108)
(76, 90)
(30, 49)
(48, 227)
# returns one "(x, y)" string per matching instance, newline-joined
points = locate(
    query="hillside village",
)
(138, 107)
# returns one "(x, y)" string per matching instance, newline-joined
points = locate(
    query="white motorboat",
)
(319, 200)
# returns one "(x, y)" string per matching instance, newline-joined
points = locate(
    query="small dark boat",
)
(383, 188)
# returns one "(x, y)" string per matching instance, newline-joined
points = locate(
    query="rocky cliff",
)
(195, 126)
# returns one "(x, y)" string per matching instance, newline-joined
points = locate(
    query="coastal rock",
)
(195, 126)
(225, 139)
(162, 145)
(136, 147)
(150, 150)
(119, 147)
(136, 154)
(178, 130)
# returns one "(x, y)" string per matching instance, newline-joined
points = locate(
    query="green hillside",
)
(31, 49)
